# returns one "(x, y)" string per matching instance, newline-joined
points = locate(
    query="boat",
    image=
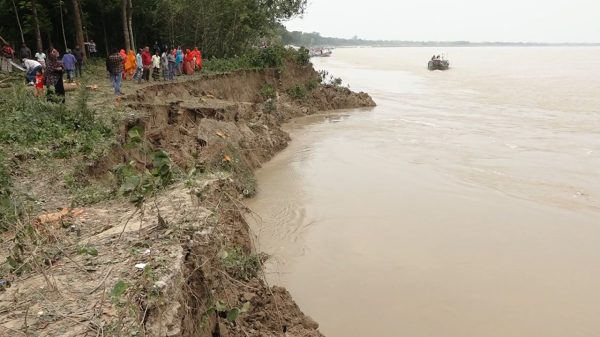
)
(438, 63)
(320, 52)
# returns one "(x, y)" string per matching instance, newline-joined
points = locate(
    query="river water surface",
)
(467, 203)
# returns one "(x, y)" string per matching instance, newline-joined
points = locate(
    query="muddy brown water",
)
(466, 204)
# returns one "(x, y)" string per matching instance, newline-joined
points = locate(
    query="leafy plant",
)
(240, 265)
(139, 183)
(303, 56)
(87, 250)
(230, 313)
(268, 92)
(118, 290)
(297, 92)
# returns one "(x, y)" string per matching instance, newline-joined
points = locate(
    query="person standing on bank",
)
(6, 56)
(54, 76)
(114, 66)
(156, 66)
(40, 56)
(78, 53)
(147, 63)
(25, 52)
(139, 67)
(70, 63)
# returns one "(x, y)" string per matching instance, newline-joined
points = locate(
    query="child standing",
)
(39, 83)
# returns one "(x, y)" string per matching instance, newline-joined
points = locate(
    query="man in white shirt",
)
(41, 58)
(31, 69)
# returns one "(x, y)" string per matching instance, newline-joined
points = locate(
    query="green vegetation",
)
(297, 92)
(221, 28)
(239, 265)
(136, 181)
(33, 127)
(7, 208)
(269, 57)
(268, 92)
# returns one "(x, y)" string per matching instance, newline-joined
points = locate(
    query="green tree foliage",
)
(221, 28)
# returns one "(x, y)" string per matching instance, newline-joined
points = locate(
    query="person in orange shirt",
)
(130, 64)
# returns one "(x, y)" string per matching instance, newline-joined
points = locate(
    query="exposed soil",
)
(220, 126)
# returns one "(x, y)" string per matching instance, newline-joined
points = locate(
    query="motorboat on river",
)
(438, 63)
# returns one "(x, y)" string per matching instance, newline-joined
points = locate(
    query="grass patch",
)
(33, 127)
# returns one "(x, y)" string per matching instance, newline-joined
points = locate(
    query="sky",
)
(454, 20)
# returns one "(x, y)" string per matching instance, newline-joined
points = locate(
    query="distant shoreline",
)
(468, 45)
(316, 40)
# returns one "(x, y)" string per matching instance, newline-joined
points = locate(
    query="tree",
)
(130, 25)
(36, 23)
(124, 19)
(78, 27)
(18, 21)
(62, 23)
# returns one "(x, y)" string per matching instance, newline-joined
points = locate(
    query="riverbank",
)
(172, 255)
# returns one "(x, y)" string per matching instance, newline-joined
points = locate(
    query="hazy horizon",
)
(527, 21)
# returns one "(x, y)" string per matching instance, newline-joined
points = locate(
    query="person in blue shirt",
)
(69, 62)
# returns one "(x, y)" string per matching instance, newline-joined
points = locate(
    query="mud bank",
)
(182, 264)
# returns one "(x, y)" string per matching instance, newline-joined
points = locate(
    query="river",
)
(467, 203)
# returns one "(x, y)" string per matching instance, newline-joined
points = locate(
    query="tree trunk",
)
(125, 24)
(106, 47)
(62, 23)
(18, 21)
(130, 24)
(79, 28)
(36, 26)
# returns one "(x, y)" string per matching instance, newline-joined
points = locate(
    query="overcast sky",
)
(451, 20)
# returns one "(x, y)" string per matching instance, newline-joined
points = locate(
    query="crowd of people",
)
(164, 63)
(46, 71)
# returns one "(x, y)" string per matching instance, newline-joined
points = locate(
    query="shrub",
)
(297, 92)
(302, 56)
(268, 92)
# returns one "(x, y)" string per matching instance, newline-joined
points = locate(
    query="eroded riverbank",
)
(181, 261)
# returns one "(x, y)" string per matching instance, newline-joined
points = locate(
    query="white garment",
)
(41, 57)
(31, 64)
(156, 61)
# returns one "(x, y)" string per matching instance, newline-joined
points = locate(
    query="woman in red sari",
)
(188, 62)
(198, 55)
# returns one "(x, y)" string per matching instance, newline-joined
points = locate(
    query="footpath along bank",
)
(173, 255)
